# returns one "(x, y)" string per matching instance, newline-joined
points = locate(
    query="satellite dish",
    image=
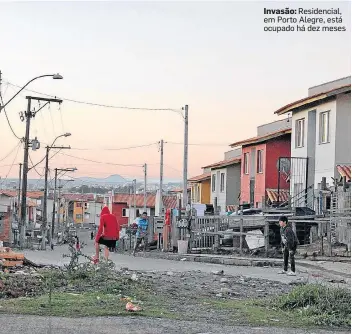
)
(283, 165)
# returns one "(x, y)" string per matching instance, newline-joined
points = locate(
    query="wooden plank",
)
(13, 256)
(12, 263)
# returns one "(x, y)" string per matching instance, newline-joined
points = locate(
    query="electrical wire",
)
(62, 120)
(7, 118)
(101, 162)
(113, 149)
(33, 166)
(99, 104)
(13, 162)
(198, 144)
(7, 155)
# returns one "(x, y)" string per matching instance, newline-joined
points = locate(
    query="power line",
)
(113, 149)
(101, 162)
(199, 144)
(33, 166)
(11, 151)
(7, 118)
(99, 104)
(13, 162)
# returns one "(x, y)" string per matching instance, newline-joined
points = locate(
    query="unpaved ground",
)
(45, 325)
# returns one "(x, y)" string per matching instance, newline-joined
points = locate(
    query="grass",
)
(86, 290)
(322, 305)
(77, 305)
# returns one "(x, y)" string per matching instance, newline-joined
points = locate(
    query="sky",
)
(213, 56)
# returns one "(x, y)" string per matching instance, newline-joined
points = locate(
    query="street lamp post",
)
(54, 76)
(45, 210)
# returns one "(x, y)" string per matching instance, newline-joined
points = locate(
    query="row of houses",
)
(75, 209)
(285, 163)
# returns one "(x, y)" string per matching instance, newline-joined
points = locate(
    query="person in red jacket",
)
(108, 233)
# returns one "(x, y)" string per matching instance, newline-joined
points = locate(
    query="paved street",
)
(149, 264)
(128, 325)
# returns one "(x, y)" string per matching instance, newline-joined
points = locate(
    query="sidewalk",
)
(342, 269)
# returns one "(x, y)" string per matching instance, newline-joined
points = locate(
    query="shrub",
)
(328, 306)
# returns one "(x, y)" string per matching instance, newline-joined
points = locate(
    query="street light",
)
(56, 76)
(54, 199)
(45, 210)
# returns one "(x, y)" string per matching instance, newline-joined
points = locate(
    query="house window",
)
(78, 216)
(78, 205)
(300, 133)
(246, 163)
(222, 182)
(260, 161)
(124, 212)
(324, 122)
(198, 193)
(213, 183)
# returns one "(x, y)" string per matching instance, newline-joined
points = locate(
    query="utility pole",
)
(145, 188)
(161, 177)
(134, 198)
(45, 204)
(185, 160)
(54, 204)
(28, 115)
(19, 192)
(59, 207)
(55, 199)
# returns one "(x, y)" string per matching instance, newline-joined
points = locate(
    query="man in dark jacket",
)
(289, 244)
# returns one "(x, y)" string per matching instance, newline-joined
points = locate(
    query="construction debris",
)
(8, 258)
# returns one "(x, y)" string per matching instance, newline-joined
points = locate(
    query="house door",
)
(251, 191)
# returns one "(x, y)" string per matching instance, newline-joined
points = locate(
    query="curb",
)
(236, 261)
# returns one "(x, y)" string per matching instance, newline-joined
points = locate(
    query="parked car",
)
(249, 212)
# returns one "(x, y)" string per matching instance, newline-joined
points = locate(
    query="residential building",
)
(321, 134)
(75, 208)
(200, 189)
(225, 180)
(123, 206)
(259, 164)
(8, 216)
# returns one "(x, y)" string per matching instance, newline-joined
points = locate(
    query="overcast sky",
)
(213, 56)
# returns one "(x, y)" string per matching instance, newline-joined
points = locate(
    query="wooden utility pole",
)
(55, 199)
(28, 115)
(134, 199)
(185, 159)
(161, 177)
(45, 204)
(145, 188)
(19, 193)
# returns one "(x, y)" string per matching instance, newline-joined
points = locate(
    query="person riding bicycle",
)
(142, 232)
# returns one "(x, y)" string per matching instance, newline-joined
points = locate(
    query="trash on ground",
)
(132, 308)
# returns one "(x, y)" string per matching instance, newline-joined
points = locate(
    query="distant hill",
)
(112, 180)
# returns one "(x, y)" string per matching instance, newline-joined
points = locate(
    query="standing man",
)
(107, 235)
(142, 232)
(289, 242)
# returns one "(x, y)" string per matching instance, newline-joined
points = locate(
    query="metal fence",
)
(340, 218)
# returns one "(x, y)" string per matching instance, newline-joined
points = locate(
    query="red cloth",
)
(109, 227)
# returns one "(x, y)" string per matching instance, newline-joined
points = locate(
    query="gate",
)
(340, 218)
(293, 176)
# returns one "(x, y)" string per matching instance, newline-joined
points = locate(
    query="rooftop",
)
(169, 202)
(224, 163)
(313, 99)
(200, 178)
(261, 139)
